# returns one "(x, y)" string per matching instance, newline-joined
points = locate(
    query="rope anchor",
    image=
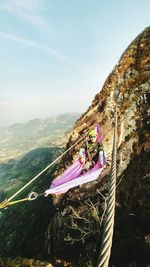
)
(32, 196)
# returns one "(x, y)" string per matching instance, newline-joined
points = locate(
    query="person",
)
(91, 151)
(91, 157)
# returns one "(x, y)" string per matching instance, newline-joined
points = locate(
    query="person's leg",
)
(88, 165)
(102, 158)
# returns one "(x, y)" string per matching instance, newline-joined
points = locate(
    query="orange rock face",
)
(128, 86)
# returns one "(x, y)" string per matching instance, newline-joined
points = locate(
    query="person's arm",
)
(102, 156)
(82, 154)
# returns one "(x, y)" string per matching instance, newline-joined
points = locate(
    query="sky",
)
(55, 55)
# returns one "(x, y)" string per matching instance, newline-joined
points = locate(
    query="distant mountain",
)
(15, 173)
(29, 148)
(20, 138)
(23, 226)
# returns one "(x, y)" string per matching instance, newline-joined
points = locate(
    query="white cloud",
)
(35, 45)
(4, 103)
(27, 10)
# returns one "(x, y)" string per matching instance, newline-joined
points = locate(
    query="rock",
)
(129, 85)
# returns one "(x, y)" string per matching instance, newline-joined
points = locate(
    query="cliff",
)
(74, 232)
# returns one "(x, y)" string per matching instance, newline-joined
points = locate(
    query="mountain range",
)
(18, 139)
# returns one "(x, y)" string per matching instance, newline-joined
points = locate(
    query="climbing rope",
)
(7, 202)
(105, 250)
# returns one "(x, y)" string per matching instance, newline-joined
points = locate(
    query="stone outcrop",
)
(128, 85)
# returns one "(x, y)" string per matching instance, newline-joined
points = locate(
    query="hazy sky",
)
(56, 54)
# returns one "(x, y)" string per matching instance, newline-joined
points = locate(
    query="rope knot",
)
(32, 196)
(4, 204)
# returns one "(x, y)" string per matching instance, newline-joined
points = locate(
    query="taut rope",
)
(105, 250)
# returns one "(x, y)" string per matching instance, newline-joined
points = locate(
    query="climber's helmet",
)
(93, 134)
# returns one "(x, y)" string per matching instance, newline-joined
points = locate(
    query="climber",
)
(87, 168)
(91, 151)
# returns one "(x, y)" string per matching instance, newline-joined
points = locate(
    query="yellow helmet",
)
(93, 132)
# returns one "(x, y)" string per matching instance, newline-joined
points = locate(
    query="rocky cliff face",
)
(76, 227)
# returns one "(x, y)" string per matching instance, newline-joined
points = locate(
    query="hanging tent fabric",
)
(72, 178)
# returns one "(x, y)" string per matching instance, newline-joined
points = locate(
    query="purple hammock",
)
(72, 178)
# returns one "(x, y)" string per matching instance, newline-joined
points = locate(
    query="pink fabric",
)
(71, 173)
(72, 178)
(64, 187)
(97, 128)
